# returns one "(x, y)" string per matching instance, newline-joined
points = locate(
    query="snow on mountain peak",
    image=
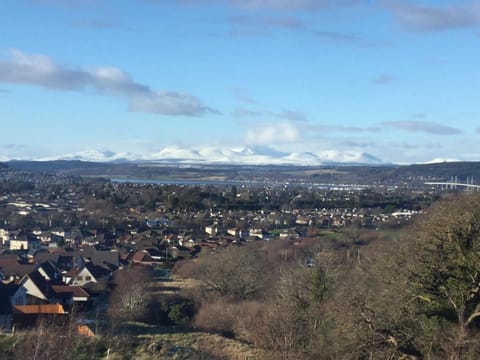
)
(216, 155)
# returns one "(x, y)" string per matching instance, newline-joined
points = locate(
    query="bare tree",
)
(130, 297)
(237, 273)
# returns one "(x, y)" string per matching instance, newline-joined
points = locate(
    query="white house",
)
(4, 236)
(88, 273)
(24, 241)
(211, 230)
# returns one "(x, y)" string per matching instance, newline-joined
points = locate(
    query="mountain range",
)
(235, 156)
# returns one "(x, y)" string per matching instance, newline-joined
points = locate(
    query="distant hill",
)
(3, 165)
(54, 166)
(444, 170)
(347, 174)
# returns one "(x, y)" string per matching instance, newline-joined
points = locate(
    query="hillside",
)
(345, 174)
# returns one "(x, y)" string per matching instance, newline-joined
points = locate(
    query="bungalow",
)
(40, 287)
(142, 257)
(259, 233)
(234, 231)
(149, 256)
(88, 273)
(33, 289)
(23, 240)
(211, 230)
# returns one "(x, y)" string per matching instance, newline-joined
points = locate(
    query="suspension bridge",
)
(454, 184)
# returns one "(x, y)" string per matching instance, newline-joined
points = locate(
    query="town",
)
(65, 238)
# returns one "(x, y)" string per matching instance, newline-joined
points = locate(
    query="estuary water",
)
(189, 182)
(338, 187)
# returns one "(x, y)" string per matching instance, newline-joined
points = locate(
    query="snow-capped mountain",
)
(95, 156)
(439, 160)
(215, 155)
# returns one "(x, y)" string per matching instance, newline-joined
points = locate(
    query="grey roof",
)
(100, 257)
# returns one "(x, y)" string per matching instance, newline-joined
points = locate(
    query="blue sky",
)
(396, 79)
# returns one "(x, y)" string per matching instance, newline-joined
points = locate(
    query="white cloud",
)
(274, 134)
(41, 70)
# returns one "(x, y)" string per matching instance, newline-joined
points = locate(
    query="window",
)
(88, 278)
